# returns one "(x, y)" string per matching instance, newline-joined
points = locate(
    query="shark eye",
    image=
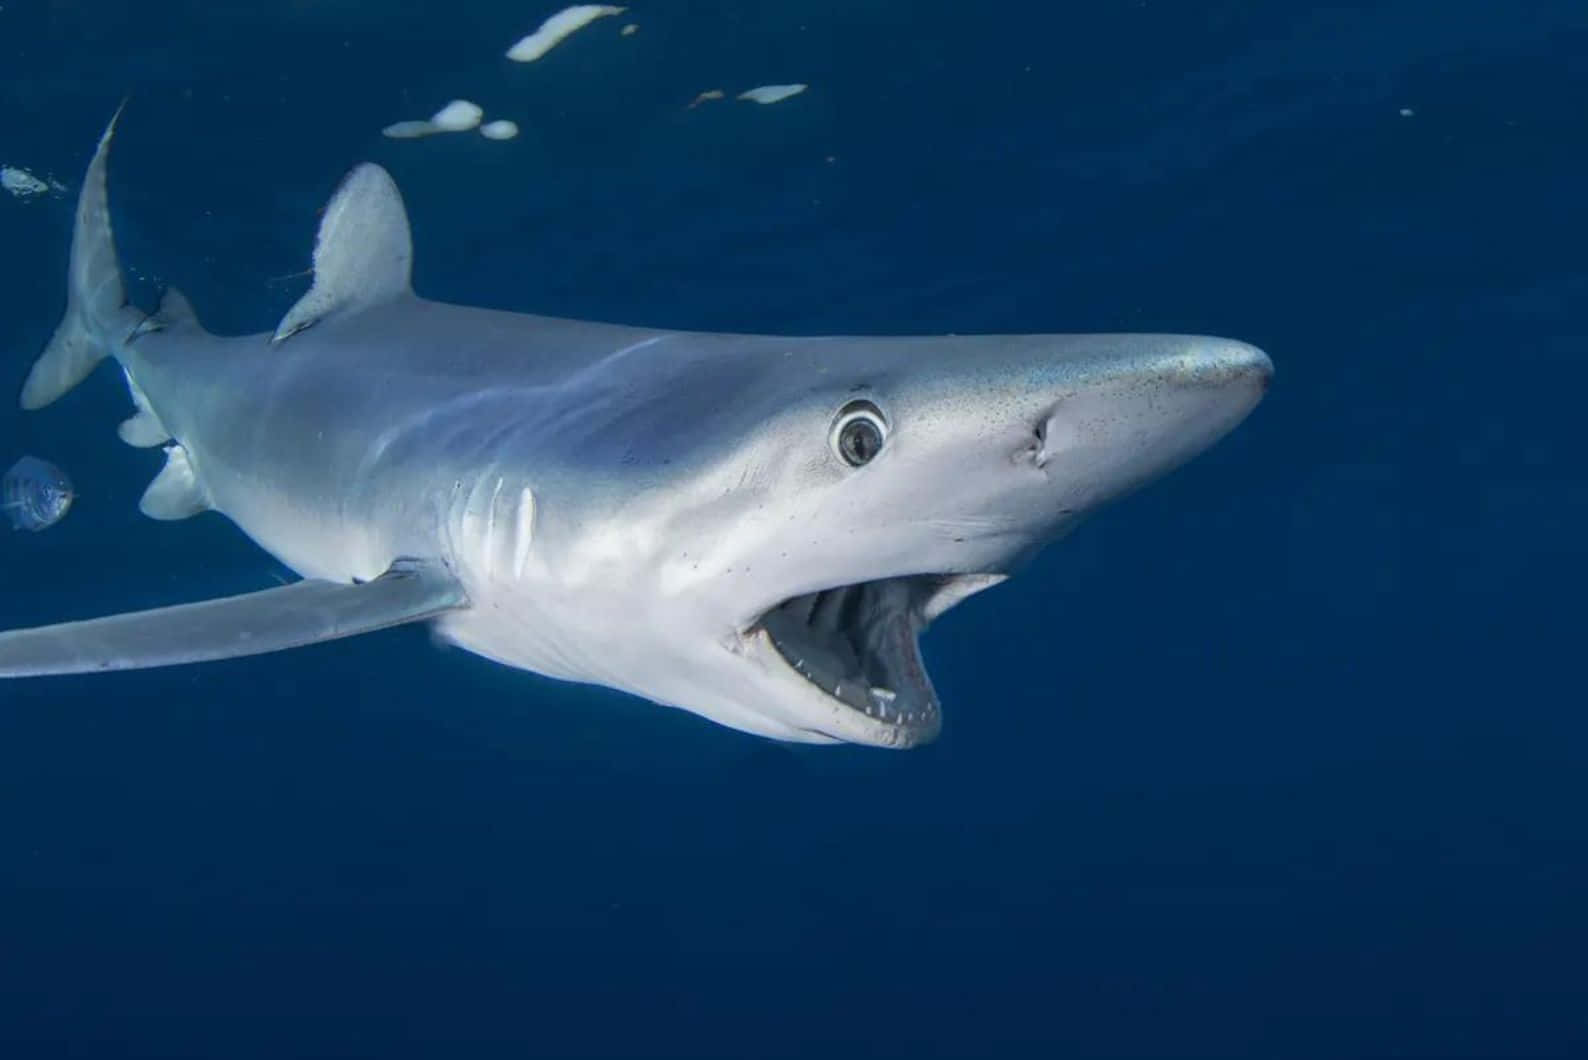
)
(858, 433)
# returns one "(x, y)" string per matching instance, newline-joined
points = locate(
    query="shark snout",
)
(1155, 403)
(1225, 363)
(1223, 380)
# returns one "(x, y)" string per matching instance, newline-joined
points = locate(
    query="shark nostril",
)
(1035, 450)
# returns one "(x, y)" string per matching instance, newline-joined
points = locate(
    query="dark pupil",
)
(859, 441)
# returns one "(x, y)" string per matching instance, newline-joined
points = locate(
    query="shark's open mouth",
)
(858, 644)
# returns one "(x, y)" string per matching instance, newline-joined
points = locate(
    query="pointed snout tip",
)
(1228, 361)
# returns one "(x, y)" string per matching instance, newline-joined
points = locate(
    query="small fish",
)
(35, 494)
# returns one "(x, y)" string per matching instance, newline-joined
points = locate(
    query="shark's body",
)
(753, 528)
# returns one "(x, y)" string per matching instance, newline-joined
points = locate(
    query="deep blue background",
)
(1284, 756)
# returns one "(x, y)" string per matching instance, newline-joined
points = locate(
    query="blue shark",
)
(753, 528)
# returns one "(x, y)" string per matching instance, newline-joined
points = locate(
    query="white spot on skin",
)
(499, 130)
(772, 93)
(556, 28)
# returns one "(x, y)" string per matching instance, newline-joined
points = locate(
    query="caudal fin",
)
(97, 314)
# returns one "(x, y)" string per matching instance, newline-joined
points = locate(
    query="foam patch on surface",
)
(772, 93)
(555, 29)
(25, 185)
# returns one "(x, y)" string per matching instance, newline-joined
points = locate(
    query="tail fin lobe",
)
(97, 314)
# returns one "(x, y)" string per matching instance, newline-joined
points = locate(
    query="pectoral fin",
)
(290, 616)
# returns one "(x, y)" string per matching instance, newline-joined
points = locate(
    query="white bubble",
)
(499, 130)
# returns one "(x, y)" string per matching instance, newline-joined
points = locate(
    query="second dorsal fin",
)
(363, 255)
(176, 311)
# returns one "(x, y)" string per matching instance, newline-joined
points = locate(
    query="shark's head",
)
(813, 504)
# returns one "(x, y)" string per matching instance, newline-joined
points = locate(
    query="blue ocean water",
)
(1286, 755)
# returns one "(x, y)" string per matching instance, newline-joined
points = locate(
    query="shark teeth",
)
(857, 644)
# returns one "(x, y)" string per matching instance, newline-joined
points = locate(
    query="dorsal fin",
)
(176, 310)
(363, 255)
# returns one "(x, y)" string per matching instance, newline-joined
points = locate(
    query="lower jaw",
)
(888, 699)
(835, 719)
